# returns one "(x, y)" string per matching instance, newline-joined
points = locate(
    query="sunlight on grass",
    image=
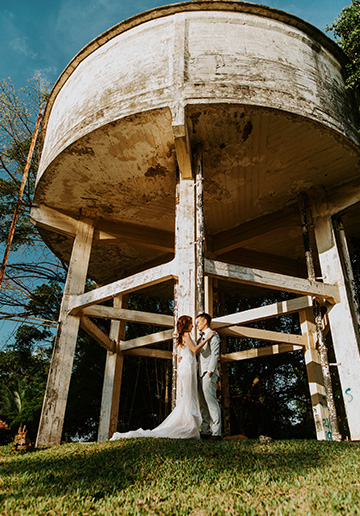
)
(175, 477)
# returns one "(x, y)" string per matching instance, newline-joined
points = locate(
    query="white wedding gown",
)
(184, 421)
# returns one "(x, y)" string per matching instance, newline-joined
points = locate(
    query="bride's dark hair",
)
(182, 326)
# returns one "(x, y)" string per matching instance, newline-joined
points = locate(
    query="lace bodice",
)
(185, 352)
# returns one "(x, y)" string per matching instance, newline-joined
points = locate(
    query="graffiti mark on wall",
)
(327, 428)
(350, 396)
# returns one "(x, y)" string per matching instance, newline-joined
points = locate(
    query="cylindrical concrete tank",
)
(263, 93)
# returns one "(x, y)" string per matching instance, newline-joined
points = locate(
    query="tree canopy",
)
(346, 28)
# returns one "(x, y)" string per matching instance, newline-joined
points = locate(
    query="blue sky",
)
(44, 35)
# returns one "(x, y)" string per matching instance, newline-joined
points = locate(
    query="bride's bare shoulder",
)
(186, 336)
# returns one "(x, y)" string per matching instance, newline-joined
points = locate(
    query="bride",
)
(184, 421)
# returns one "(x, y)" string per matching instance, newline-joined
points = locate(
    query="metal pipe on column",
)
(200, 230)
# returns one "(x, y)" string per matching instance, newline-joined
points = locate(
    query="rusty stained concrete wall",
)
(261, 91)
(225, 57)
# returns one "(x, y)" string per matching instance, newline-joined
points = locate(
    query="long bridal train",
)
(184, 421)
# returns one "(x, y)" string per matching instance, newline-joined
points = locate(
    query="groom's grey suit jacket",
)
(209, 355)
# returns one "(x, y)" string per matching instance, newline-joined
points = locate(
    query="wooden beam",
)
(237, 237)
(271, 280)
(159, 239)
(263, 312)
(315, 376)
(264, 261)
(54, 220)
(339, 198)
(152, 353)
(147, 340)
(121, 314)
(57, 388)
(109, 411)
(95, 332)
(105, 231)
(132, 283)
(266, 335)
(183, 150)
(260, 352)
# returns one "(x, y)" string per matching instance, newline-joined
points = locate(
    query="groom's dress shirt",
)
(205, 332)
(203, 335)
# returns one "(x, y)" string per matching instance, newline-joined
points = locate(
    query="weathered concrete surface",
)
(261, 90)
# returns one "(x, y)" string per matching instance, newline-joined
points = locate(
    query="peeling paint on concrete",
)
(262, 93)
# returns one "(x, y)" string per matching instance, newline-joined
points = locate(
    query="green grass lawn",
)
(160, 476)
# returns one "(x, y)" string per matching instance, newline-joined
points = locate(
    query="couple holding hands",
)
(198, 405)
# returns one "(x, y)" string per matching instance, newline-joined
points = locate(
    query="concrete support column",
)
(109, 411)
(185, 248)
(315, 378)
(343, 327)
(185, 290)
(57, 389)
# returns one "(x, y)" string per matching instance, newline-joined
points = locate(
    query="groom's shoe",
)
(215, 438)
(205, 436)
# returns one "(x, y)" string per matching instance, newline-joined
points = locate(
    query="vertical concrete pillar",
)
(218, 299)
(57, 389)
(109, 411)
(185, 248)
(185, 290)
(315, 378)
(343, 327)
(320, 340)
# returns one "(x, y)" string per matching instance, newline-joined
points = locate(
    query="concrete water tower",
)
(177, 144)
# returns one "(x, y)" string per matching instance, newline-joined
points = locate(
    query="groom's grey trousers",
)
(209, 405)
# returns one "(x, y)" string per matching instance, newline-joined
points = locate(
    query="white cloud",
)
(46, 74)
(20, 45)
(9, 14)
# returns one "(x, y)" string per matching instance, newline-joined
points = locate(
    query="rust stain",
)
(157, 171)
(247, 130)
(79, 151)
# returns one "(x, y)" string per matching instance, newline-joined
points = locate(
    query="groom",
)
(208, 373)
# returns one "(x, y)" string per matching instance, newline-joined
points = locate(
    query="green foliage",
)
(46, 299)
(346, 28)
(268, 395)
(182, 477)
(32, 264)
(24, 363)
(83, 407)
(23, 377)
(145, 380)
(18, 113)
